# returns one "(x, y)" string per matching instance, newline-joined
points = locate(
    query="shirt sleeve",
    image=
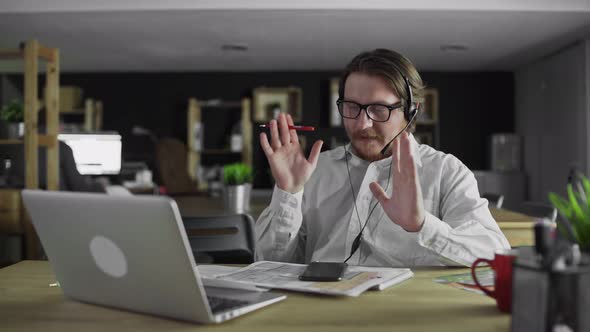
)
(279, 232)
(465, 229)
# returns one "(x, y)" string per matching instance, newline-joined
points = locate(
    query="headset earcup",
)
(410, 112)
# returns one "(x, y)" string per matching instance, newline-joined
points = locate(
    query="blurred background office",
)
(157, 97)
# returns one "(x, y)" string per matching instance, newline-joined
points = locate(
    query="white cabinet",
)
(552, 115)
(512, 185)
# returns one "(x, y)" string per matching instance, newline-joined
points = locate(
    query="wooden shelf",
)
(220, 104)
(43, 140)
(11, 54)
(31, 52)
(92, 113)
(48, 140)
(195, 129)
(43, 52)
(11, 141)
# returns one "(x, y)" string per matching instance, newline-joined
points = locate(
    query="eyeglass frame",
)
(365, 107)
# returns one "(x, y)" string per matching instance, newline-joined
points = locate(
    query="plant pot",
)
(11, 130)
(236, 198)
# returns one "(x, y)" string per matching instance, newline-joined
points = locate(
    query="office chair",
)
(171, 159)
(537, 210)
(116, 190)
(495, 200)
(221, 239)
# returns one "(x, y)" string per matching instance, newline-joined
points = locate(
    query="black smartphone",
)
(324, 271)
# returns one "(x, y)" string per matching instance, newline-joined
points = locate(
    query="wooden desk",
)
(28, 303)
(517, 227)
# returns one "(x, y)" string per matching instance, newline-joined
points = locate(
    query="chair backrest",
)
(221, 239)
(116, 190)
(495, 200)
(538, 210)
(171, 158)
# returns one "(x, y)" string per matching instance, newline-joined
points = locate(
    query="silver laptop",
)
(131, 253)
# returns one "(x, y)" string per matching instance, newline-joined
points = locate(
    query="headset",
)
(410, 111)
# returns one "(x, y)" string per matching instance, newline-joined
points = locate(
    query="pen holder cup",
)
(544, 298)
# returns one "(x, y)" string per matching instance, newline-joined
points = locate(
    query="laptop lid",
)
(124, 252)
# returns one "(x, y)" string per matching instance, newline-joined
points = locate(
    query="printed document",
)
(278, 275)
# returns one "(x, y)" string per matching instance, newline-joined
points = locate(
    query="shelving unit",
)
(427, 122)
(91, 113)
(196, 127)
(13, 218)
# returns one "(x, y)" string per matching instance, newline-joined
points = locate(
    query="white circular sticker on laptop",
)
(108, 257)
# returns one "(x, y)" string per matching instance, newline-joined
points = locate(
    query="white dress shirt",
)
(319, 222)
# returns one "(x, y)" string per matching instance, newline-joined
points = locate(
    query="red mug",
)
(502, 266)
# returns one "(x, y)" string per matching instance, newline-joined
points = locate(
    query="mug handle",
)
(474, 276)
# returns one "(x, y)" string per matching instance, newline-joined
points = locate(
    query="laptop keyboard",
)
(219, 304)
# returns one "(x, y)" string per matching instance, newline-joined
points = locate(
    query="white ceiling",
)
(149, 35)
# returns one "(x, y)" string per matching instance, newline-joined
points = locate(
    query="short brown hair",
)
(389, 65)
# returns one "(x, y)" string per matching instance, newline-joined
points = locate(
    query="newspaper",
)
(484, 276)
(465, 281)
(356, 280)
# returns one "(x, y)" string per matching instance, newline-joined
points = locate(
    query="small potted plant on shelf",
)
(11, 120)
(237, 180)
(575, 209)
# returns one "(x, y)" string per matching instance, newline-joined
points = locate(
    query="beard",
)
(367, 145)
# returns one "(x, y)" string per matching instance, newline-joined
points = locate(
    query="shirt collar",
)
(339, 154)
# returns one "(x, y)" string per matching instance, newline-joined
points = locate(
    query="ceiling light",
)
(453, 48)
(238, 47)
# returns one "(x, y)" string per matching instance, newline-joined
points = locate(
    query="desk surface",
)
(507, 216)
(28, 303)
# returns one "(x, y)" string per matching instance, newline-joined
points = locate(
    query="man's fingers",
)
(405, 148)
(265, 145)
(292, 132)
(274, 135)
(395, 156)
(406, 157)
(284, 129)
(315, 152)
(378, 192)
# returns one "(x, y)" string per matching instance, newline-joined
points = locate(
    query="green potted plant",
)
(11, 120)
(237, 180)
(576, 210)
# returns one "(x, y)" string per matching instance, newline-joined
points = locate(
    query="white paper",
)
(208, 275)
(211, 271)
(357, 279)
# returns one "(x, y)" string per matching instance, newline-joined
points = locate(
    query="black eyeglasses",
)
(376, 112)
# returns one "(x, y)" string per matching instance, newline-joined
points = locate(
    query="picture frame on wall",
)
(335, 118)
(429, 109)
(269, 102)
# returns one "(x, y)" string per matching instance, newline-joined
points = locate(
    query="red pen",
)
(300, 128)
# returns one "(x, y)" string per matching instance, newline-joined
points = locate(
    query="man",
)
(333, 206)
